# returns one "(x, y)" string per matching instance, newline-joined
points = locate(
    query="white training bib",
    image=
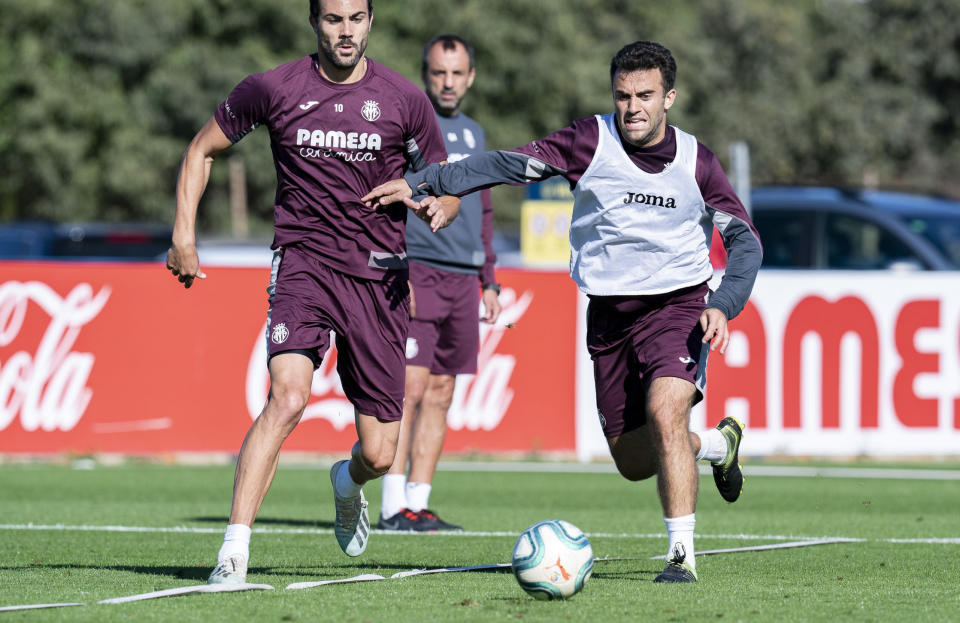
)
(633, 232)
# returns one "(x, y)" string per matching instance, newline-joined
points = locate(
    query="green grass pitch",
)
(168, 523)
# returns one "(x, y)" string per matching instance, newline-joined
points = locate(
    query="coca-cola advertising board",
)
(120, 358)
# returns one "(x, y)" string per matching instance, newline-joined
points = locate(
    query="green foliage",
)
(98, 98)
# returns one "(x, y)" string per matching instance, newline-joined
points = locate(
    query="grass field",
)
(84, 535)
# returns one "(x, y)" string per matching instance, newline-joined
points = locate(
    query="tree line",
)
(99, 98)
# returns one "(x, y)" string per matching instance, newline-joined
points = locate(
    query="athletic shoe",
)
(429, 522)
(352, 526)
(726, 473)
(677, 569)
(231, 570)
(404, 521)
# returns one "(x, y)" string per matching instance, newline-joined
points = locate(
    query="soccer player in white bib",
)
(638, 248)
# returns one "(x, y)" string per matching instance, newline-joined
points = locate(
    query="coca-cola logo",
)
(46, 387)
(479, 401)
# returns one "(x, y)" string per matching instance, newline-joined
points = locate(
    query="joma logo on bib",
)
(650, 200)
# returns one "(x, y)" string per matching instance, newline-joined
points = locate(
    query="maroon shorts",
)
(635, 339)
(445, 332)
(369, 318)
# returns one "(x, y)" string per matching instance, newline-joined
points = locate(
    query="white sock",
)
(344, 484)
(236, 541)
(680, 532)
(713, 445)
(394, 497)
(418, 494)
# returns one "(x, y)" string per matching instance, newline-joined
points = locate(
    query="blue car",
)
(828, 228)
(84, 241)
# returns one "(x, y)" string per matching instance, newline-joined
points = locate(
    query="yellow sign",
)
(544, 232)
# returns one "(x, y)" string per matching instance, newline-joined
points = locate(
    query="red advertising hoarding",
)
(120, 358)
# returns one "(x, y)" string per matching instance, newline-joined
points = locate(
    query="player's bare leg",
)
(429, 430)
(291, 375)
(666, 448)
(669, 401)
(373, 454)
(668, 412)
(394, 514)
(371, 457)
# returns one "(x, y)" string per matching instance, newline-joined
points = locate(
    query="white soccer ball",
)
(552, 559)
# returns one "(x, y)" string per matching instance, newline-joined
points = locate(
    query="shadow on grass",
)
(269, 521)
(201, 572)
(638, 574)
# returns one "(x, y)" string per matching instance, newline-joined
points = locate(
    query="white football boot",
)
(230, 570)
(352, 526)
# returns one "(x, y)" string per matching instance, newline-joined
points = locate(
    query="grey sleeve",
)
(478, 172)
(744, 255)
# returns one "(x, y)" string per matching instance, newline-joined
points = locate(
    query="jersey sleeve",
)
(244, 109)
(486, 235)
(560, 153)
(424, 141)
(740, 238)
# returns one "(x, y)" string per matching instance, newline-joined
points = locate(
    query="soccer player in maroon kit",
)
(642, 189)
(339, 125)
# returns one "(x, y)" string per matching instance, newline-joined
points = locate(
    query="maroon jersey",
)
(332, 143)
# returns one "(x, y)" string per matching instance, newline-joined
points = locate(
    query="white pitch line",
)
(760, 548)
(412, 572)
(422, 535)
(38, 606)
(189, 590)
(784, 471)
(459, 534)
(507, 565)
(367, 577)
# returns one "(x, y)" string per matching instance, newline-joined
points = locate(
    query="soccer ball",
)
(552, 559)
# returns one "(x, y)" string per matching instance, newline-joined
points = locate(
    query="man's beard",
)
(338, 61)
(446, 106)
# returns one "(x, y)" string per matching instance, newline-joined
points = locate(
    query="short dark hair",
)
(645, 55)
(315, 8)
(449, 42)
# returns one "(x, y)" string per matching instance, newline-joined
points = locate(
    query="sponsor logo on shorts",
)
(370, 110)
(280, 333)
(603, 420)
(309, 105)
(686, 360)
(412, 347)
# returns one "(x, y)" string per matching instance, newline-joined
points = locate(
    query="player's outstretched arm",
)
(182, 259)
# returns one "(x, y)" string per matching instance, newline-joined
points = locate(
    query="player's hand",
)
(491, 306)
(393, 191)
(430, 211)
(183, 262)
(715, 330)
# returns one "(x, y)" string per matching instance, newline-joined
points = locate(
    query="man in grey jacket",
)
(445, 271)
